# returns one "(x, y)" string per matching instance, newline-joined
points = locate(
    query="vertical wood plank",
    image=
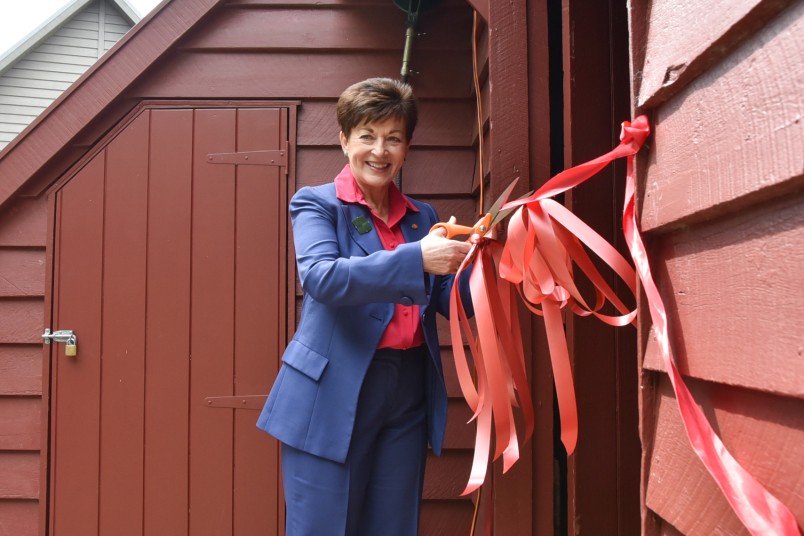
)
(509, 145)
(543, 464)
(212, 331)
(595, 102)
(258, 308)
(123, 344)
(167, 366)
(75, 408)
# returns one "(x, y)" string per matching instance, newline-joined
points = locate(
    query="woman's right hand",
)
(441, 255)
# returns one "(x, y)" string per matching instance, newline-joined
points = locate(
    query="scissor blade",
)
(502, 214)
(495, 208)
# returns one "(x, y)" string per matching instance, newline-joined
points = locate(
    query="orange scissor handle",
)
(453, 229)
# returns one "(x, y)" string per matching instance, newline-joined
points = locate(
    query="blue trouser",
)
(378, 490)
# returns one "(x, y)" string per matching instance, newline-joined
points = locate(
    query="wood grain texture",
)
(19, 475)
(734, 135)
(685, 38)
(765, 434)
(352, 27)
(460, 433)
(445, 477)
(23, 272)
(439, 518)
(286, 75)
(734, 286)
(23, 223)
(20, 369)
(20, 518)
(20, 419)
(21, 320)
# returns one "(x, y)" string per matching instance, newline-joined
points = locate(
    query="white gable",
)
(45, 63)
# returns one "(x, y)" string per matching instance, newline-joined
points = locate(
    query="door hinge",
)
(237, 402)
(275, 157)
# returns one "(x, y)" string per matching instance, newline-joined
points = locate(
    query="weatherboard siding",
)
(723, 214)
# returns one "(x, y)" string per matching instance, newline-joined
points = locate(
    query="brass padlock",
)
(71, 348)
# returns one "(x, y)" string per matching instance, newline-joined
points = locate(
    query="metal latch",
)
(64, 335)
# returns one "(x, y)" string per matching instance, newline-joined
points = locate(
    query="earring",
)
(346, 154)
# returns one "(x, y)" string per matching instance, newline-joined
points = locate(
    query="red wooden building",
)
(174, 267)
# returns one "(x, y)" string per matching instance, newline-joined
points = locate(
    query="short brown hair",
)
(377, 99)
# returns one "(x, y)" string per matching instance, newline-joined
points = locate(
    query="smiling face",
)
(376, 153)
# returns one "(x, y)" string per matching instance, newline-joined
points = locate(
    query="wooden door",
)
(172, 272)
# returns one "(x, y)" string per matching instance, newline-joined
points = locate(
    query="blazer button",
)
(406, 300)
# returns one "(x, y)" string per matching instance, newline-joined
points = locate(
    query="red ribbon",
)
(757, 508)
(544, 240)
(499, 360)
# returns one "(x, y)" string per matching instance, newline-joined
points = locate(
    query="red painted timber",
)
(23, 223)
(764, 432)
(446, 476)
(508, 144)
(190, 74)
(259, 312)
(734, 135)
(21, 320)
(20, 518)
(446, 517)
(19, 423)
(167, 347)
(123, 347)
(375, 27)
(75, 397)
(602, 497)
(738, 278)
(686, 38)
(20, 369)
(23, 272)
(19, 475)
(212, 331)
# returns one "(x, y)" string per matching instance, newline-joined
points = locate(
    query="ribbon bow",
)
(544, 241)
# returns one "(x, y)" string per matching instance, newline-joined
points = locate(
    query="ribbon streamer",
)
(544, 241)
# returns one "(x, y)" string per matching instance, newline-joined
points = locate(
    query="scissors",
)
(485, 223)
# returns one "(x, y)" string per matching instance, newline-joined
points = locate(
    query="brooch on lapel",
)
(361, 224)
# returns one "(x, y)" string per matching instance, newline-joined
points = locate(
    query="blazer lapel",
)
(414, 226)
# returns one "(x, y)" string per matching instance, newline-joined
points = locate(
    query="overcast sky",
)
(19, 18)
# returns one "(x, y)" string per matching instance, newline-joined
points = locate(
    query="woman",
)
(361, 390)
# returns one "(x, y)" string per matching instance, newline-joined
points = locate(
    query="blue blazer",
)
(350, 284)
